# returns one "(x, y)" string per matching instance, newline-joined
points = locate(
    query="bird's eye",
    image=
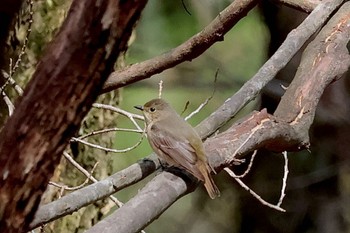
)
(152, 109)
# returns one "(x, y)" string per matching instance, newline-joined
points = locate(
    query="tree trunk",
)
(67, 80)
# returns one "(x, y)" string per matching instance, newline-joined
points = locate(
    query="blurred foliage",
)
(238, 57)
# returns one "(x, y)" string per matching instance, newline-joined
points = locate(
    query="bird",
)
(176, 142)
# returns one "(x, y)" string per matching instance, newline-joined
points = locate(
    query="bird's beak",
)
(139, 107)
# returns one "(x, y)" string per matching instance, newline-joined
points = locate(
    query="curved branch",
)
(250, 90)
(187, 51)
(325, 59)
(165, 185)
(96, 191)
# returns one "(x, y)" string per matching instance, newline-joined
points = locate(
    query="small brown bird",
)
(176, 142)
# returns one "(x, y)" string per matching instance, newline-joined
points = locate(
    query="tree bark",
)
(67, 80)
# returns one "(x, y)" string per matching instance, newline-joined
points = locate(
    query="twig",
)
(93, 133)
(160, 89)
(256, 128)
(284, 180)
(13, 68)
(87, 174)
(65, 187)
(185, 108)
(249, 166)
(26, 39)
(283, 189)
(96, 146)
(243, 185)
(185, 7)
(9, 79)
(131, 116)
(6, 76)
(202, 105)
(8, 102)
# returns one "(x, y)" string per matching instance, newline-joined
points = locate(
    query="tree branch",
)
(268, 71)
(165, 185)
(325, 59)
(94, 192)
(304, 5)
(187, 51)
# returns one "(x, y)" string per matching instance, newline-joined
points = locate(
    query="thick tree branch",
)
(223, 114)
(268, 71)
(304, 5)
(187, 51)
(67, 80)
(165, 188)
(325, 58)
(97, 191)
(262, 129)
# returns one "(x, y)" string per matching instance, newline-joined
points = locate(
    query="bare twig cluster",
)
(262, 201)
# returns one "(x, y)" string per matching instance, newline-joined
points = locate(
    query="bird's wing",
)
(176, 149)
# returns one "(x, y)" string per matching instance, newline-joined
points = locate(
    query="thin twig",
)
(13, 68)
(8, 102)
(185, 7)
(10, 80)
(26, 39)
(93, 133)
(87, 174)
(256, 128)
(160, 89)
(243, 185)
(202, 105)
(108, 149)
(129, 115)
(284, 180)
(65, 187)
(249, 166)
(185, 108)
(6, 76)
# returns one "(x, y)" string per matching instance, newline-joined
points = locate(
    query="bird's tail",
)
(209, 184)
